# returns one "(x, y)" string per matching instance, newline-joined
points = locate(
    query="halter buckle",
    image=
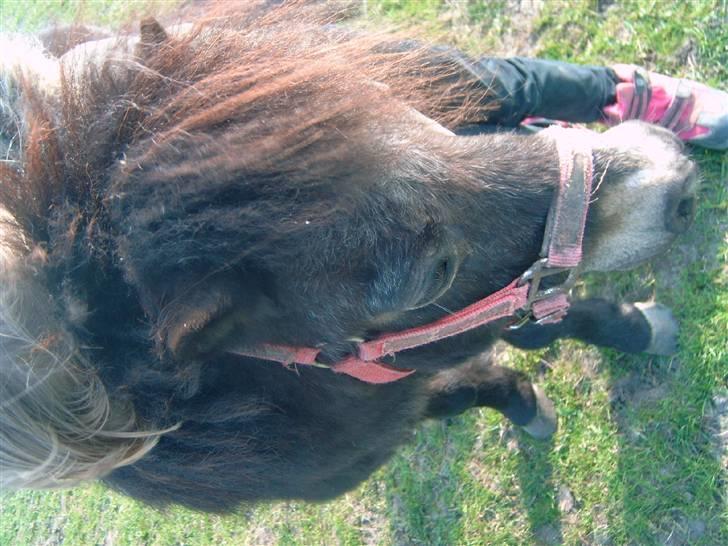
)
(534, 275)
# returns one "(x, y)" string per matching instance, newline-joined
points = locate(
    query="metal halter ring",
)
(534, 275)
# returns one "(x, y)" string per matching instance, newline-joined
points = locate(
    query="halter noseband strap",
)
(561, 252)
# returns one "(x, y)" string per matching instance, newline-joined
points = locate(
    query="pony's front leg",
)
(479, 383)
(630, 328)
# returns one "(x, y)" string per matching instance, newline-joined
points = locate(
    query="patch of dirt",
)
(484, 476)
(716, 425)
(683, 531)
(370, 518)
(372, 526)
(566, 500)
(600, 535)
(591, 362)
(400, 536)
(261, 534)
(506, 32)
(687, 54)
(110, 538)
(548, 535)
(640, 388)
(635, 389)
(603, 5)
(55, 532)
(519, 38)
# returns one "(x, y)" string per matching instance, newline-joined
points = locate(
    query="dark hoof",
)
(663, 327)
(544, 424)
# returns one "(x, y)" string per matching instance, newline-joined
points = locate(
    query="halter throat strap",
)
(561, 252)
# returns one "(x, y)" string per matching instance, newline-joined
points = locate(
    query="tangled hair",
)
(270, 82)
(58, 425)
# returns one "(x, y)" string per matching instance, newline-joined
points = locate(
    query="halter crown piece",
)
(561, 252)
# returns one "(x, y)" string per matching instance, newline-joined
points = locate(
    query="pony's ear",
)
(206, 317)
(151, 32)
(151, 36)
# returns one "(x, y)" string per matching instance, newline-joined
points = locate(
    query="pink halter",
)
(561, 251)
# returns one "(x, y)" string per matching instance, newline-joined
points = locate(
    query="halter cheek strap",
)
(561, 252)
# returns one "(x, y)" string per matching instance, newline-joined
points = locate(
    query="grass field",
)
(642, 450)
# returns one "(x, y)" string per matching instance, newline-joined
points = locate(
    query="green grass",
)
(634, 448)
(35, 14)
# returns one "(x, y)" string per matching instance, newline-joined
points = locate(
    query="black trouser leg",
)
(532, 87)
(519, 87)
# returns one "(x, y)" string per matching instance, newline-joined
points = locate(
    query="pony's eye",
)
(441, 270)
(442, 274)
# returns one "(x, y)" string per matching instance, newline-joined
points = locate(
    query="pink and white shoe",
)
(696, 113)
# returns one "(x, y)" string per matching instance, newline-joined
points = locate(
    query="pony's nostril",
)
(686, 208)
(683, 215)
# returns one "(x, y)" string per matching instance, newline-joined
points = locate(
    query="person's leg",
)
(522, 87)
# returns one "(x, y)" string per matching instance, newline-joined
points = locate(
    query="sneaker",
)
(696, 113)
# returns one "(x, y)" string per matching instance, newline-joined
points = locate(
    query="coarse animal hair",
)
(229, 70)
(58, 426)
(265, 175)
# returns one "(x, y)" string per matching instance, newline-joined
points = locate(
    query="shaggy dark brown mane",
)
(269, 82)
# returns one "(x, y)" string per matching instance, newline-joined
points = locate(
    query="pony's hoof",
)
(664, 328)
(544, 424)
